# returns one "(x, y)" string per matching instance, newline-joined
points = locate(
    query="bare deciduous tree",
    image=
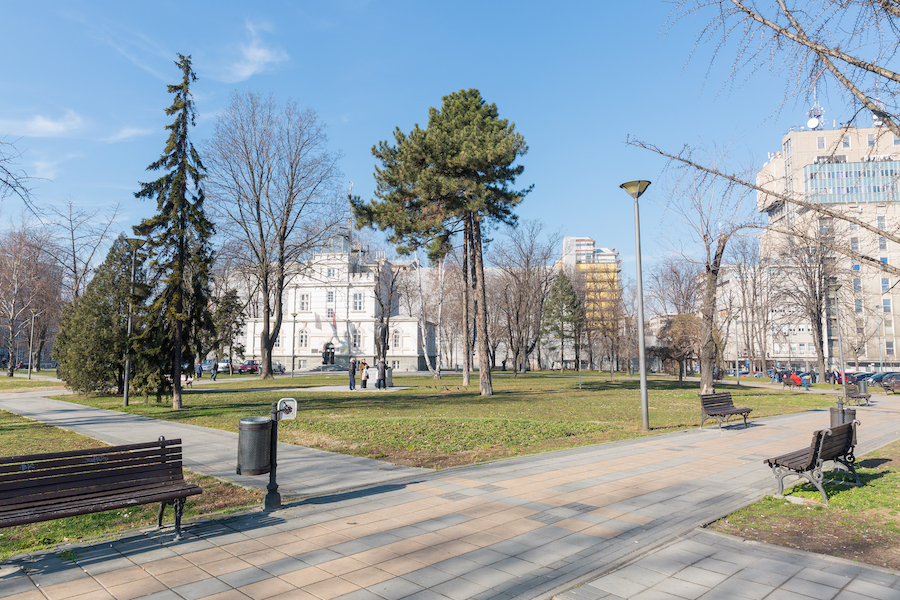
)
(524, 258)
(81, 234)
(13, 181)
(274, 185)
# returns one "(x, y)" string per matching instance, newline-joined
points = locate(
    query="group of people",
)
(363, 367)
(213, 369)
(779, 375)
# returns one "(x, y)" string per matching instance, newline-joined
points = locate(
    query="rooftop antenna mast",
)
(815, 113)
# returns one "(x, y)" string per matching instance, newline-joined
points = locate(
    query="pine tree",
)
(452, 177)
(563, 313)
(178, 237)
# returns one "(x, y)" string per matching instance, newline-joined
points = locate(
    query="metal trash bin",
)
(254, 446)
(863, 386)
(839, 416)
(389, 377)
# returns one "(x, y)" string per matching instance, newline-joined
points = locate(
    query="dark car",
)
(888, 378)
(877, 377)
(249, 366)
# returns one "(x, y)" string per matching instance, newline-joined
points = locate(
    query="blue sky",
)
(84, 92)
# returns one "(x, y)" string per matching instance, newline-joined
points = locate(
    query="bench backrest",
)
(716, 401)
(828, 444)
(100, 471)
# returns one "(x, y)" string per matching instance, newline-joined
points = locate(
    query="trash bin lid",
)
(255, 420)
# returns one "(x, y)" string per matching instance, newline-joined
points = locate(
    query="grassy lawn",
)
(860, 523)
(22, 436)
(19, 384)
(438, 423)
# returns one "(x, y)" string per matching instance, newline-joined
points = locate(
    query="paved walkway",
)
(609, 521)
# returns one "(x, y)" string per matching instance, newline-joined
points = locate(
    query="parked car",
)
(889, 377)
(277, 367)
(224, 366)
(876, 378)
(206, 365)
(249, 366)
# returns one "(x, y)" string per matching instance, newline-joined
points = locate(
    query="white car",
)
(277, 367)
(223, 366)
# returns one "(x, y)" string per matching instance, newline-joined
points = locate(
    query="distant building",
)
(854, 171)
(333, 307)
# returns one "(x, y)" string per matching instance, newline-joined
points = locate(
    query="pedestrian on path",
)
(198, 370)
(352, 373)
(214, 369)
(364, 373)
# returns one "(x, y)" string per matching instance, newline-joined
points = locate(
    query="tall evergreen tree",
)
(178, 237)
(563, 313)
(452, 177)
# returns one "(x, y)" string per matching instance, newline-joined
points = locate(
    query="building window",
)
(883, 259)
(357, 301)
(882, 222)
(889, 348)
(854, 243)
(303, 339)
(871, 140)
(395, 364)
(845, 141)
(332, 273)
(858, 305)
(301, 364)
(329, 312)
(277, 343)
(855, 267)
(885, 284)
(330, 298)
(396, 340)
(357, 339)
(820, 142)
(304, 302)
(857, 285)
(888, 327)
(882, 243)
(896, 140)
(886, 303)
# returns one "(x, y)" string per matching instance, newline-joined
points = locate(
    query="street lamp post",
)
(834, 287)
(31, 343)
(135, 244)
(635, 189)
(293, 340)
(737, 370)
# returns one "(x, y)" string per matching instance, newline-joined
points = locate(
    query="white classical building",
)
(332, 310)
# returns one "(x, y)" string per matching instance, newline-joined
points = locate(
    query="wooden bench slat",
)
(91, 451)
(61, 490)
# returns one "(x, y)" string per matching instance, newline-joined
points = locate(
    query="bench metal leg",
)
(178, 505)
(179, 509)
(815, 477)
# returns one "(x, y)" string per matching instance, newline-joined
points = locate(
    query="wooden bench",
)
(854, 396)
(721, 408)
(44, 487)
(787, 382)
(835, 444)
(891, 386)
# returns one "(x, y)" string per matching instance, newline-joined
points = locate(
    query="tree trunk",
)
(484, 368)
(708, 312)
(467, 342)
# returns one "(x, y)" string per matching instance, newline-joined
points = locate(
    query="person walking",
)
(352, 371)
(214, 369)
(363, 373)
(198, 370)
(380, 382)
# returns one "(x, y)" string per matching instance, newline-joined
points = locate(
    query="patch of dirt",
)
(833, 532)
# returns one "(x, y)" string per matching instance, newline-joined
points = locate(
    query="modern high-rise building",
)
(852, 171)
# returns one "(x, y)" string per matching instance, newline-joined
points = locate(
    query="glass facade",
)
(863, 182)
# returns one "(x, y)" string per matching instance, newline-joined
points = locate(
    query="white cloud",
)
(256, 57)
(127, 133)
(47, 168)
(41, 126)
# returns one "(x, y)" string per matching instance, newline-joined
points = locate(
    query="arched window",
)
(396, 341)
(303, 339)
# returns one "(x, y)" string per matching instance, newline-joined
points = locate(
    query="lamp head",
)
(834, 287)
(635, 188)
